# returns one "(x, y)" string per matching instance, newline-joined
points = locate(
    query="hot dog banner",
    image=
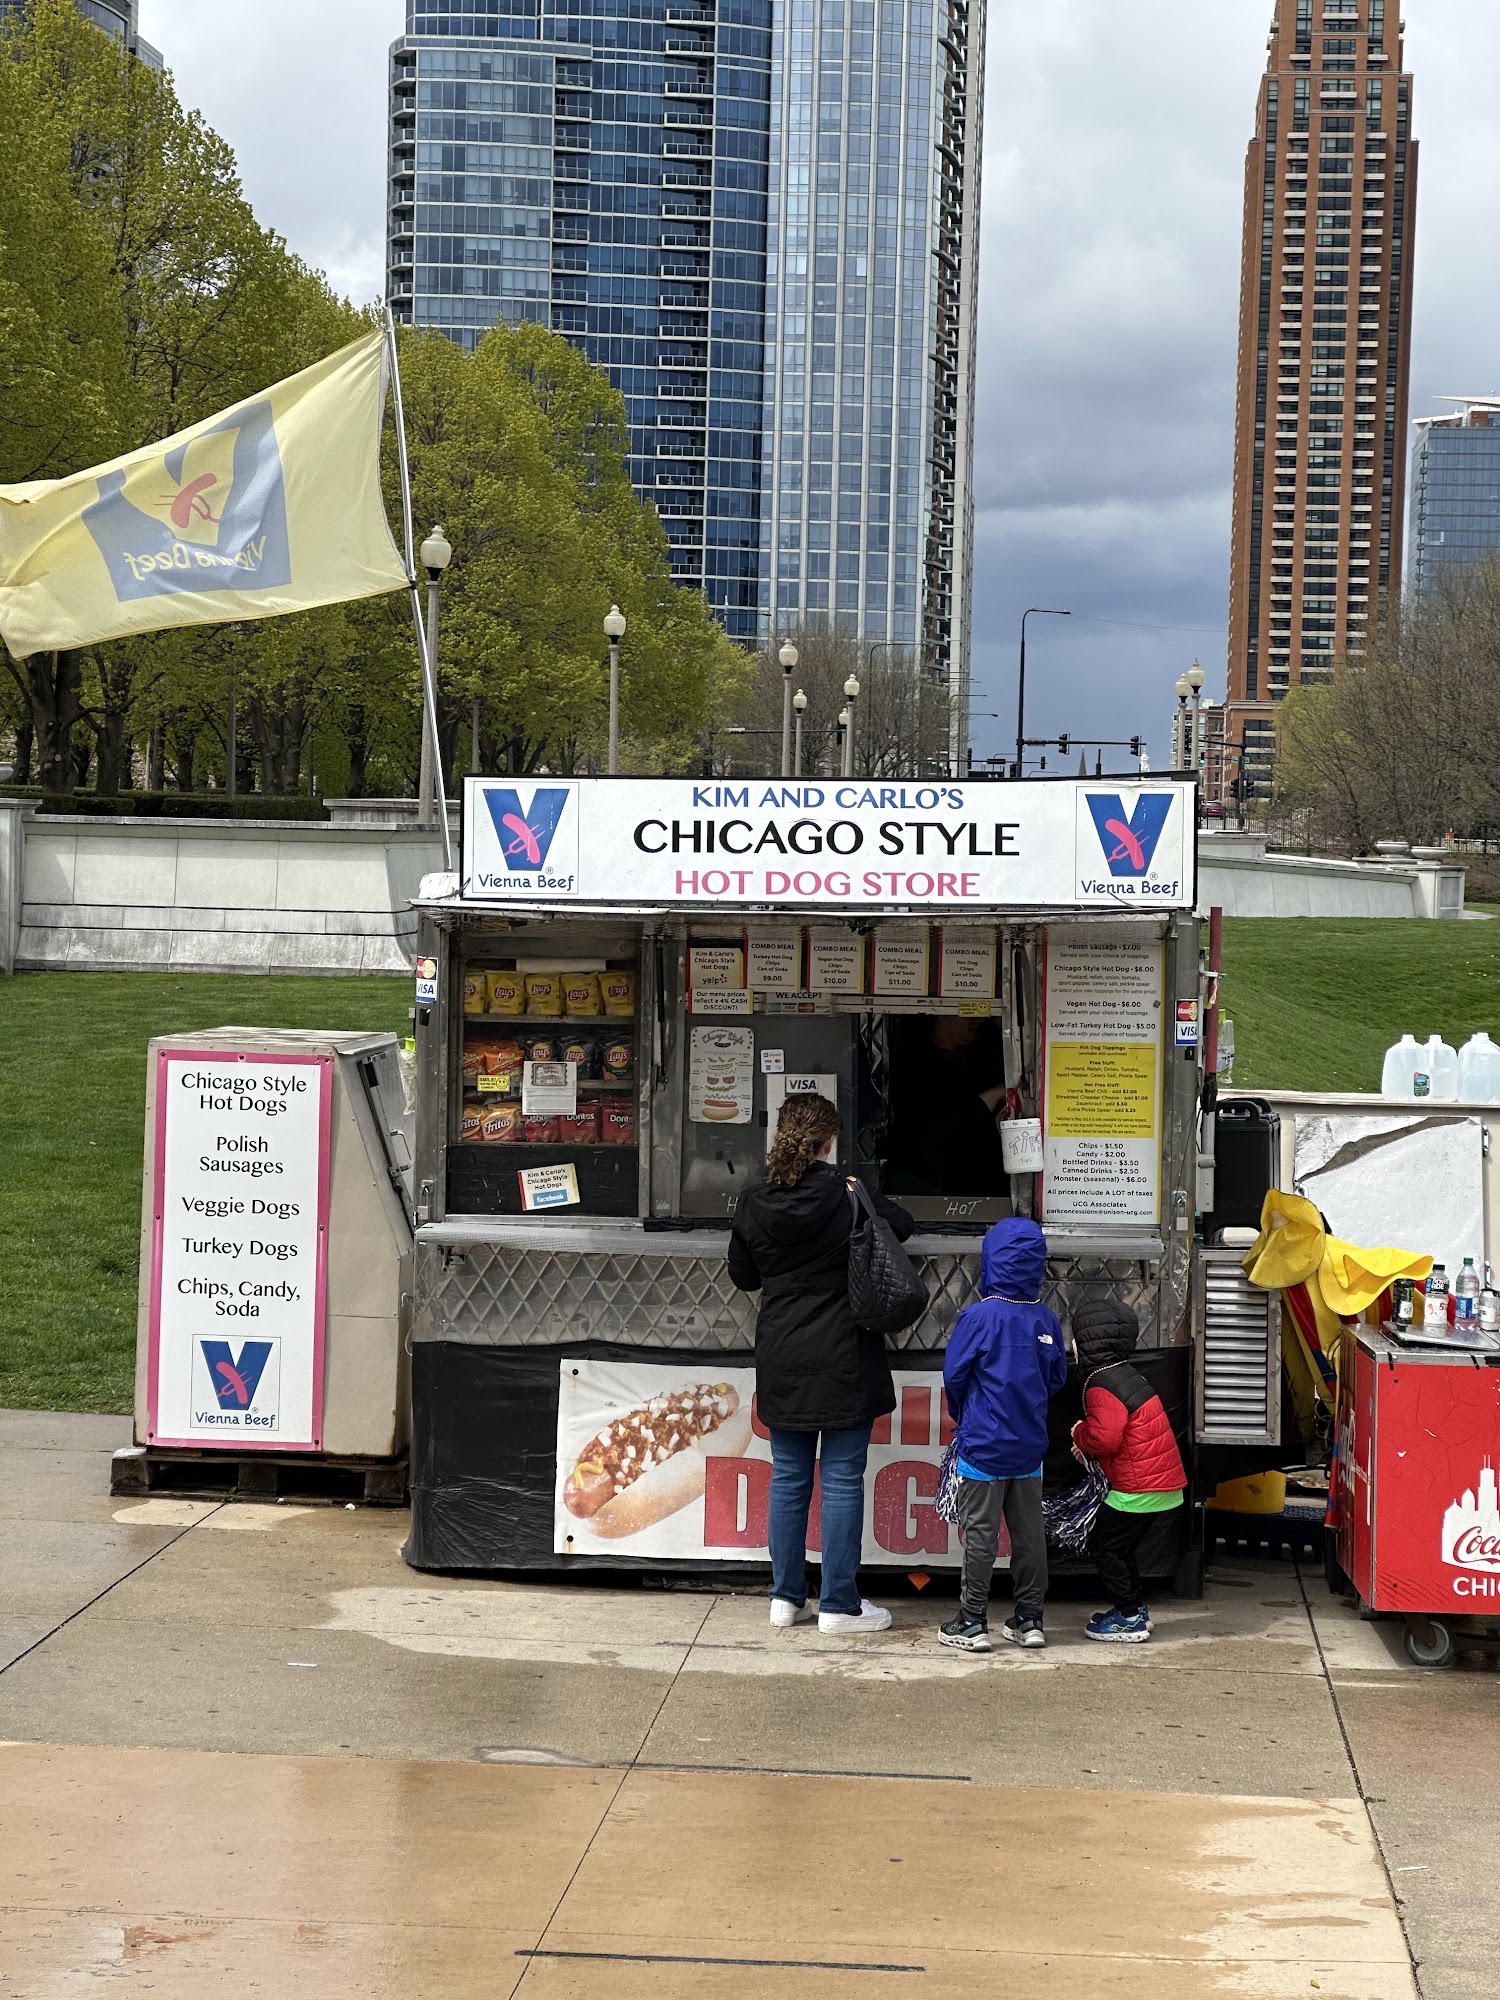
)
(670, 1460)
(852, 843)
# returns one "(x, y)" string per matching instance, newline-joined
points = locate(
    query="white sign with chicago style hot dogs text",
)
(705, 1494)
(1106, 843)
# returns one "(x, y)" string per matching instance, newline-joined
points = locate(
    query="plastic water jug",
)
(1479, 1071)
(1442, 1063)
(1403, 1061)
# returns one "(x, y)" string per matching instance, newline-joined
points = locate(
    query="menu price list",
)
(239, 1235)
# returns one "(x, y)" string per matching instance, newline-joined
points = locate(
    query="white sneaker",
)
(869, 1618)
(784, 1612)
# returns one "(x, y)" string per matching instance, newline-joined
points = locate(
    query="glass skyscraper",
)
(759, 217)
(1455, 491)
(115, 17)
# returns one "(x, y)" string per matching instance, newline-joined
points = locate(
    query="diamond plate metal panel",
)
(488, 1295)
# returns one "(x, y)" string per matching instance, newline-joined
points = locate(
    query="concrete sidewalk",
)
(286, 1763)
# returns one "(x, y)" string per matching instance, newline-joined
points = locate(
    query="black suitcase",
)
(1247, 1162)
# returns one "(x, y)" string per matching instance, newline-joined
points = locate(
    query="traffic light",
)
(1062, 746)
(1135, 746)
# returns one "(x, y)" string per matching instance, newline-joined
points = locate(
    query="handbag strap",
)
(859, 1198)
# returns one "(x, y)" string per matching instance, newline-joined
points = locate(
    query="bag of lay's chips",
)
(618, 989)
(581, 993)
(544, 992)
(506, 991)
(476, 997)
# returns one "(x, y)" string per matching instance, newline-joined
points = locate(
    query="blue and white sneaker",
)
(1117, 1628)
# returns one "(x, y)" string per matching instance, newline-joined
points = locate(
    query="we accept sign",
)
(830, 843)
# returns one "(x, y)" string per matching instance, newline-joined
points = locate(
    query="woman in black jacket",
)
(816, 1372)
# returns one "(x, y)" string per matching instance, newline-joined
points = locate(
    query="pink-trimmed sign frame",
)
(211, 1275)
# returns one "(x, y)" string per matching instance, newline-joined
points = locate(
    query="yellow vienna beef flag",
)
(273, 507)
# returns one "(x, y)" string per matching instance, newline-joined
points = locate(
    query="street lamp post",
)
(843, 741)
(1183, 691)
(436, 553)
(1195, 678)
(799, 704)
(614, 631)
(851, 692)
(1032, 611)
(788, 659)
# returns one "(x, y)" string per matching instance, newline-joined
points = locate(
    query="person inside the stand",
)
(947, 1087)
(820, 1380)
(1126, 1428)
(1004, 1364)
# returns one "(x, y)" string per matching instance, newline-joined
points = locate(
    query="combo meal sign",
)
(239, 1250)
(854, 842)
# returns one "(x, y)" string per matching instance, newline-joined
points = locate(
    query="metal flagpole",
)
(429, 677)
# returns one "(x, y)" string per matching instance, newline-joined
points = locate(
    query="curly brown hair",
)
(804, 1128)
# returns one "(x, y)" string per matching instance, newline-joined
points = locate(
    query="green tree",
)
(519, 451)
(174, 300)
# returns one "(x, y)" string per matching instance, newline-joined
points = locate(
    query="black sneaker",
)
(970, 1635)
(1024, 1632)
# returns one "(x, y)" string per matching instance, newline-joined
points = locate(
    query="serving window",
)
(907, 1027)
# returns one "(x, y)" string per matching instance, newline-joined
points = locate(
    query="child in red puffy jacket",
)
(1127, 1430)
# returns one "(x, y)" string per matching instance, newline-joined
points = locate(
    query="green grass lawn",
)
(1315, 1006)
(1317, 1003)
(73, 1092)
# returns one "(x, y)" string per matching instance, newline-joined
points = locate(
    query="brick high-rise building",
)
(1325, 334)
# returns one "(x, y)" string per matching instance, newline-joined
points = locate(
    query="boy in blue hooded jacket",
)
(1004, 1364)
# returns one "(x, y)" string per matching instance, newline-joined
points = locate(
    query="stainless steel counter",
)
(527, 1282)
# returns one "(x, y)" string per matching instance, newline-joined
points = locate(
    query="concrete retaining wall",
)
(211, 895)
(1236, 873)
(215, 895)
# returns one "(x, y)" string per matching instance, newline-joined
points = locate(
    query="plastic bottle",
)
(1435, 1299)
(1466, 1296)
(1479, 1071)
(1442, 1065)
(1402, 1061)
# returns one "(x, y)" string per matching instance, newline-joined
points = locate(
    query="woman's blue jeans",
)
(841, 1481)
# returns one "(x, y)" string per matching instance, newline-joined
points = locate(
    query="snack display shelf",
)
(585, 1083)
(610, 1023)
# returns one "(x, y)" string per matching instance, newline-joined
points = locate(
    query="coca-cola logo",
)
(1471, 1526)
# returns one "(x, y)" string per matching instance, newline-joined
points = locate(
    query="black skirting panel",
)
(484, 1459)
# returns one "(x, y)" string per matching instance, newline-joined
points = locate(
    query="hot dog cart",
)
(997, 983)
(1418, 1509)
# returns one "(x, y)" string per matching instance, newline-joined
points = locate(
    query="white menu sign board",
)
(1101, 1114)
(239, 1250)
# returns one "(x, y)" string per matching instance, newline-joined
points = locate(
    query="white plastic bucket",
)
(1021, 1145)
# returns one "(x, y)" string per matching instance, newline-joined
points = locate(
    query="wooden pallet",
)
(140, 1470)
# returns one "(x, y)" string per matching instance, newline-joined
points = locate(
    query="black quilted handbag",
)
(885, 1293)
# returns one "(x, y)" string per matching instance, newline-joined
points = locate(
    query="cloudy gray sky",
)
(1115, 133)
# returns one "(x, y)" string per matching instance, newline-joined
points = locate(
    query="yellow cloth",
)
(273, 507)
(1341, 1283)
(1292, 1249)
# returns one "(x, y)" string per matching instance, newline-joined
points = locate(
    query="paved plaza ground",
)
(247, 1751)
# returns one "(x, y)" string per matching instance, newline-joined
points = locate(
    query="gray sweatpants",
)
(981, 1504)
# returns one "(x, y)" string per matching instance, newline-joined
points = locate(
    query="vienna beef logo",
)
(527, 835)
(236, 1380)
(1129, 844)
(208, 515)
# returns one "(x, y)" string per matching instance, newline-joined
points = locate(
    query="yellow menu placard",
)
(1101, 1090)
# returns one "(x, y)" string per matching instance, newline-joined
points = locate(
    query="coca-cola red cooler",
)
(1418, 1501)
